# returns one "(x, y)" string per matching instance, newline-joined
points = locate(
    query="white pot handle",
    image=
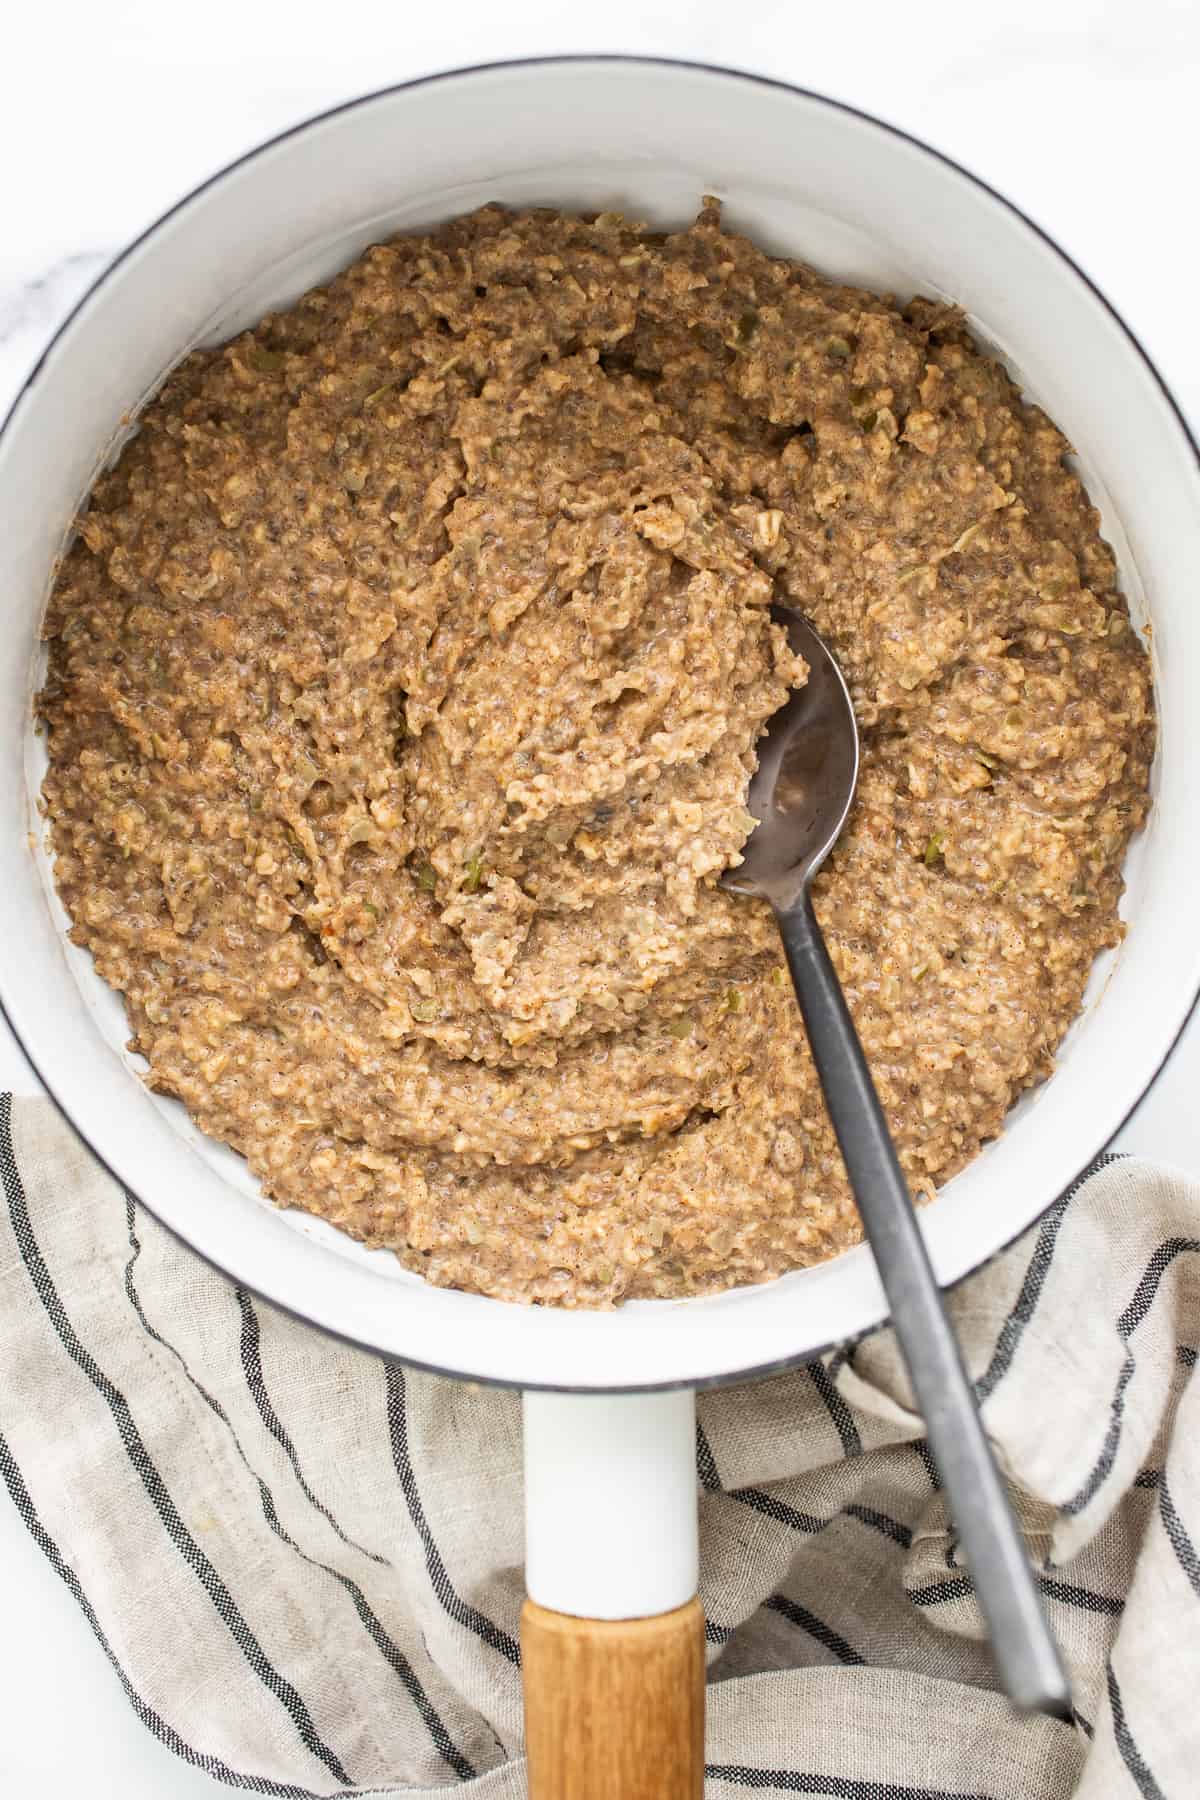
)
(612, 1635)
(610, 1503)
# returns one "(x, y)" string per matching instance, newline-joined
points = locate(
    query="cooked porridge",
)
(404, 686)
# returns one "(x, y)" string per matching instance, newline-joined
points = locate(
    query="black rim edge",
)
(781, 1365)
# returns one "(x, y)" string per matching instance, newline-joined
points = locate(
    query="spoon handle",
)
(1026, 1655)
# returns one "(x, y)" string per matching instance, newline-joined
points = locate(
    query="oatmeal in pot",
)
(404, 687)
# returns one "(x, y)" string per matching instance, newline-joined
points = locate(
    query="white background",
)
(1082, 112)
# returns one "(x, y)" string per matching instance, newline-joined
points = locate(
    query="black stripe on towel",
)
(940, 1593)
(797, 1615)
(1131, 1756)
(924, 1455)
(816, 1628)
(387, 1647)
(828, 1787)
(1134, 1314)
(1087, 1599)
(251, 1353)
(809, 1524)
(458, 1609)
(706, 1463)
(222, 1600)
(839, 1412)
(1180, 1542)
(883, 1523)
(166, 1734)
(779, 1510)
(1025, 1305)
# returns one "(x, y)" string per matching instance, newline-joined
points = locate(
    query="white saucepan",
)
(608, 1396)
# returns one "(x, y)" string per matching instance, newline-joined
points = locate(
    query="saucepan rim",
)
(738, 1373)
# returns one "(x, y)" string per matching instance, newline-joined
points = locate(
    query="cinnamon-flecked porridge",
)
(404, 686)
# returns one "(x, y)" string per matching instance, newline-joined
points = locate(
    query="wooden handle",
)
(614, 1708)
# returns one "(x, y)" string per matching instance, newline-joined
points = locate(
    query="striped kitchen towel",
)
(302, 1564)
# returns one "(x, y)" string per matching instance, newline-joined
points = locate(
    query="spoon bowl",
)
(807, 771)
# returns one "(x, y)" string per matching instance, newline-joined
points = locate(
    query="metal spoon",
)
(801, 793)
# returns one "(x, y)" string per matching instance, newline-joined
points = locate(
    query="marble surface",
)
(1084, 113)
